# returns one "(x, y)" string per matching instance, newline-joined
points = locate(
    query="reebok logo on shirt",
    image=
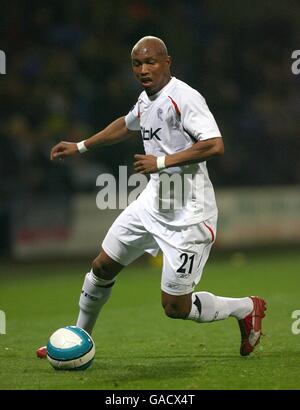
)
(149, 134)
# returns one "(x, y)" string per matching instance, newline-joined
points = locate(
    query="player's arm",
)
(199, 152)
(198, 122)
(112, 134)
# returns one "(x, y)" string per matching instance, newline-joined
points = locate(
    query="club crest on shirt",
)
(159, 114)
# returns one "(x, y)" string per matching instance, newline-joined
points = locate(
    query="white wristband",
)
(160, 162)
(81, 147)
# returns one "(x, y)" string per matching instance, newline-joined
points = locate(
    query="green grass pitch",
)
(137, 347)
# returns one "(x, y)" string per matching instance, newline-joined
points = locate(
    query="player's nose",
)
(144, 69)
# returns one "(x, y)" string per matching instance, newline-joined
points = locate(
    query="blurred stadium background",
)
(68, 74)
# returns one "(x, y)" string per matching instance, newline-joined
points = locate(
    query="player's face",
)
(151, 69)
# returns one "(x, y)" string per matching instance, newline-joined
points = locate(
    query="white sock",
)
(95, 293)
(207, 307)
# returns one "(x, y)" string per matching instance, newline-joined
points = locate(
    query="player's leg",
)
(184, 261)
(126, 240)
(96, 289)
(95, 293)
(176, 307)
(249, 311)
(205, 306)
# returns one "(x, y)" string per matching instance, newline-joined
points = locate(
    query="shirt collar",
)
(164, 89)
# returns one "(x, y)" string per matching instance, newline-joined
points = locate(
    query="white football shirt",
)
(170, 121)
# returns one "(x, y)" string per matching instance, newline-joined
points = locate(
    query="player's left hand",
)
(145, 164)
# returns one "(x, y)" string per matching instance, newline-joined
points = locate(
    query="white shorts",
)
(185, 249)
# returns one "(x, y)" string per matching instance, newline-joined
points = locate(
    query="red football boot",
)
(251, 326)
(42, 352)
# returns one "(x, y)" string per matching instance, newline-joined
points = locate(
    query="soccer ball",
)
(70, 348)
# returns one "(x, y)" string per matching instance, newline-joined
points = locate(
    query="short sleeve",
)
(196, 117)
(132, 119)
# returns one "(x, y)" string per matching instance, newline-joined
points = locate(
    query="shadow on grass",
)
(166, 367)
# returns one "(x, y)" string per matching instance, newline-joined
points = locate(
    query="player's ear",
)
(169, 61)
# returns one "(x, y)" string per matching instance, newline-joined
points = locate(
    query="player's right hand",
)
(63, 149)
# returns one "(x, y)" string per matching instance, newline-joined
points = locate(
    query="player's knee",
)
(101, 269)
(175, 311)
